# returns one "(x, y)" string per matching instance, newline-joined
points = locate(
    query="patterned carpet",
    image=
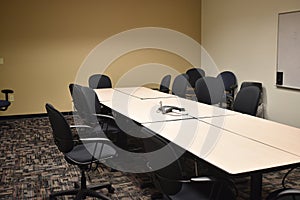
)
(31, 167)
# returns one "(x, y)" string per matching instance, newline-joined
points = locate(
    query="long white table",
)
(236, 143)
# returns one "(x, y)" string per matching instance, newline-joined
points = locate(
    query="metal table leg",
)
(256, 186)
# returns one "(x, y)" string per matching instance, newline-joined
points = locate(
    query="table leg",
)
(256, 186)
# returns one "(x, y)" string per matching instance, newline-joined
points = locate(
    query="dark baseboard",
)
(12, 117)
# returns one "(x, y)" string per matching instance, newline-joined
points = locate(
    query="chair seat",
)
(192, 191)
(82, 154)
(204, 191)
(4, 103)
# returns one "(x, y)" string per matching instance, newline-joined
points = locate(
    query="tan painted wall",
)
(44, 42)
(241, 36)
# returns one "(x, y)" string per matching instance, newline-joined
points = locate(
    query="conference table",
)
(237, 144)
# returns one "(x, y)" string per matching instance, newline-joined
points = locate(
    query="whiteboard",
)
(288, 50)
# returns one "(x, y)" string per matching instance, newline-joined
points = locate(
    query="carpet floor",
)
(31, 167)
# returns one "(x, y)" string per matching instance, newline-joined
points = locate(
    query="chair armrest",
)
(290, 191)
(172, 180)
(95, 139)
(105, 116)
(233, 86)
(202, 179)
(80, 126)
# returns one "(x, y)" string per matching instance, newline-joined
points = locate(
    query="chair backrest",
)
(180, 85)
(165, 84)
(256, 84)
(247, 100)
(229, 80)
(171, 172)
(62, 134)
(82, 105)
(194, 74)
(97, 81)
(91, 100)
(209, 90)
(247, 84)
(71, 87)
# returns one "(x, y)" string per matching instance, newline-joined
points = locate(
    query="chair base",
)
(82, 193)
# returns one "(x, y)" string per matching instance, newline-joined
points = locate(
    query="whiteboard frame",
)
(279, 68)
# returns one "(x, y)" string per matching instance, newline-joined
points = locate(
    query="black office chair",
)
(210, 90)
(97, 81)
(87, 103)
(172, 183)
(194, 74)
(180, 84)
(165, 84)
(247, 100)
(4, 104)
(260, 109)
(82, 154)
(230, 85)
(81, 106)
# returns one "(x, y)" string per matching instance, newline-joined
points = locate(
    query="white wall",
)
(241, 36)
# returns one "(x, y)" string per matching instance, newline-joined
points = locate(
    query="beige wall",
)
(241, 36)
(44, 42)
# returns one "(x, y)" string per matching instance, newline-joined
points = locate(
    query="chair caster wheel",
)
(111, 189)
(76, 185)
(52, 198)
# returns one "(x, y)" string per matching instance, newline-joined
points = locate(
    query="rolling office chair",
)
(90, 115)
(116, 126)
(83, 154)
(180, 85)
(230, 84)
(165, 84)
(171, 182)
(247, 100)
(86, 103)
(194, 74)
(4, 104)
(260, 111)
(97, 81)
(210, 90)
